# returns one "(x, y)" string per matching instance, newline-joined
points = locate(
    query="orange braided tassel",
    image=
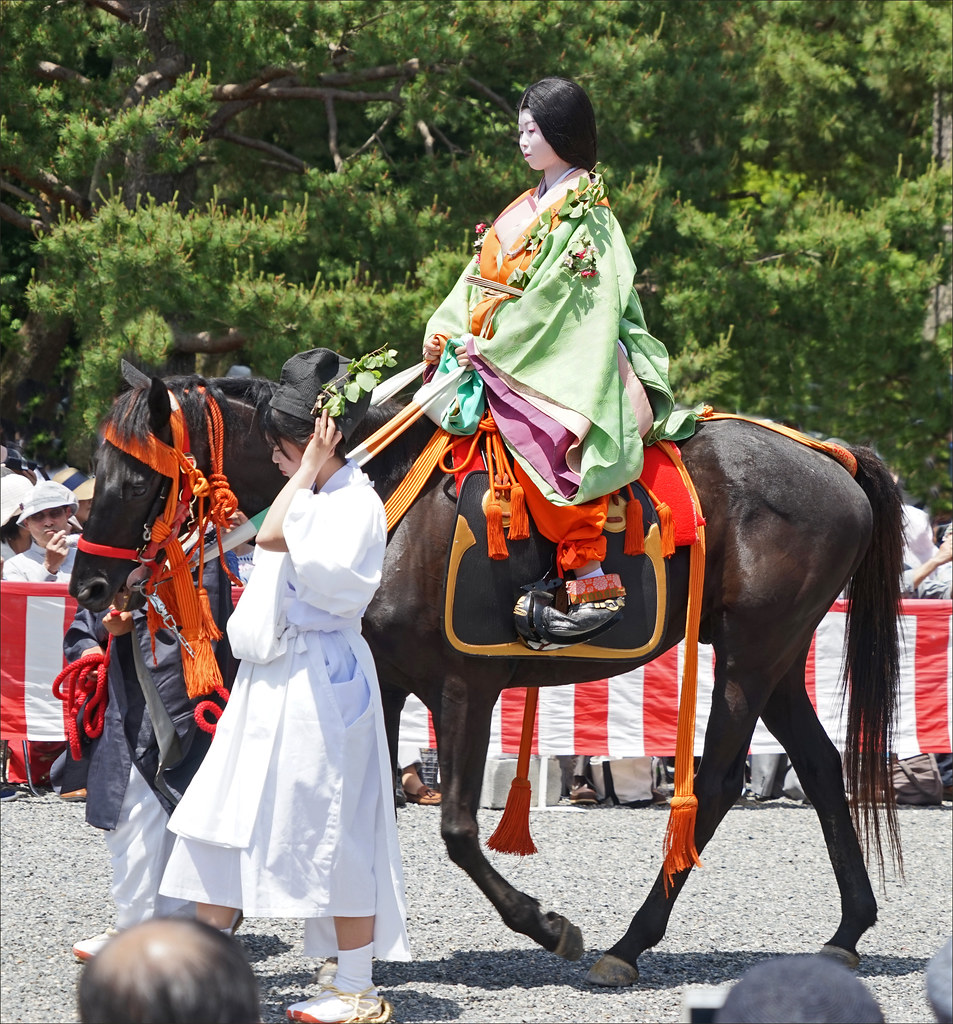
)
(512, 835)
(634, 527)
(519, 517)
(667, 527)
(495, 541)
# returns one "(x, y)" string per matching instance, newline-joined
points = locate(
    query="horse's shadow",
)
(527, 969)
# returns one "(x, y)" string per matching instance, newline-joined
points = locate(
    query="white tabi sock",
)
(355, 969)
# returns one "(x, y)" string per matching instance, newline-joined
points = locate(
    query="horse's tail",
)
(872, 662)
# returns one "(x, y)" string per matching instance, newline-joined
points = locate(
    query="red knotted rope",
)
(84, 680)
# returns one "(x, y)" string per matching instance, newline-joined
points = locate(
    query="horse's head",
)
(128, 495)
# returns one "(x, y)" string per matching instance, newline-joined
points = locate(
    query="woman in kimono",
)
(292, 813)
(549, 318)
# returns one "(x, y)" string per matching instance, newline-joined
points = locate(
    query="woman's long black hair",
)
(563, 113)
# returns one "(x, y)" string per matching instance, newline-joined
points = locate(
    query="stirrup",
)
(595, 606)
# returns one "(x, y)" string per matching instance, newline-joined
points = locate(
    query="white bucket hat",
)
(14, 491)
(48, 494)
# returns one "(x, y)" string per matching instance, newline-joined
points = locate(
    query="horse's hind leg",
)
(792, 719)
(462, 741)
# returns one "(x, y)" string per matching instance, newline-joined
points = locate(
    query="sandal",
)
(425, 796)
(363, 1009)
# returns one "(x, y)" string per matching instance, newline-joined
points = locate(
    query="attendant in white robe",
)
(291, 813)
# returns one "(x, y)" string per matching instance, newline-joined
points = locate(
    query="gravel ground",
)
(766, 889)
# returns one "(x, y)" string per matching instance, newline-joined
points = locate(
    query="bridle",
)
(187, 495)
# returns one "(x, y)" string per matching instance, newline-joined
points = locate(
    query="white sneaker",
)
(86, 949)
(332, 1006)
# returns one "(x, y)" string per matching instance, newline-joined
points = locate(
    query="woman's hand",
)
(321, 446)
(433, 347)
(462, 358)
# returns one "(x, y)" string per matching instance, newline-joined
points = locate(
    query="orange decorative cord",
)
(830, 448)
(420, 472)
(679, 845)
(512, 835)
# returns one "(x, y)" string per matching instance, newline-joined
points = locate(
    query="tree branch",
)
(43, 181)
(375, 135)
(452, 146)
(265, 147)
(491, 95)
(114, 7)
(40, 206)
(20, 220)
(315, 92)
(57, 73)
(333, 134)
(428, 138)
(170, 67)
(245, 89)
(205, 341)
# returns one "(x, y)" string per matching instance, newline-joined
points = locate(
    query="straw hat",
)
(80, 484)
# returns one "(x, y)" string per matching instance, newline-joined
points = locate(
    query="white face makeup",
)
(537, 152)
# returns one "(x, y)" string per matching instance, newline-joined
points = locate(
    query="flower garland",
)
(480, 230)
(575, 206)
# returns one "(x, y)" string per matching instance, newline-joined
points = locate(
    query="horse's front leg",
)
(463, 738)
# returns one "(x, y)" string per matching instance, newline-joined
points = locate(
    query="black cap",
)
(304, 378)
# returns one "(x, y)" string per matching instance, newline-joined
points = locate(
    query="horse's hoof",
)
(612, 972)
(841, 955)
(570, 945)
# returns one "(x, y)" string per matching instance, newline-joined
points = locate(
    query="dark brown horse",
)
(788, 529)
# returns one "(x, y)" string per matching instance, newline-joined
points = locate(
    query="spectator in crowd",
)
(14, 491)
(82, 487)
(799, 988)
(175, 971)
(934, 576)
(49, 559)
(939, 981)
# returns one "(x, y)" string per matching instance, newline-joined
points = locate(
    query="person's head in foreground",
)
(171, 971)
(798, 989)
(939, 981)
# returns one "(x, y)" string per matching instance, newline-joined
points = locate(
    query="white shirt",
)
(28, 566)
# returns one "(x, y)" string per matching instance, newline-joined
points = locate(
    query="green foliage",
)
(771, 164)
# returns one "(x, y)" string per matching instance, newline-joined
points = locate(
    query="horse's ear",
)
(133, 377)
(160, 409)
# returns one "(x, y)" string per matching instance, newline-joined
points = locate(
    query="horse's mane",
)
(130, 415)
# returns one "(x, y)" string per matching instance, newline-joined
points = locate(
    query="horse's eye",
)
(133, 489)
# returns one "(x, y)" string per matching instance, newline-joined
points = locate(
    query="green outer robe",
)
(559, 339)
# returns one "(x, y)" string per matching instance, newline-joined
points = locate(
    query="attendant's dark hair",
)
(175, 971)
(563, 113)
(279, 426)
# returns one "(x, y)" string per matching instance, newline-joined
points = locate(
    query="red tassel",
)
(495, 541)
(519, 519)
(634, 527)
(512, 835)
(667, 526)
